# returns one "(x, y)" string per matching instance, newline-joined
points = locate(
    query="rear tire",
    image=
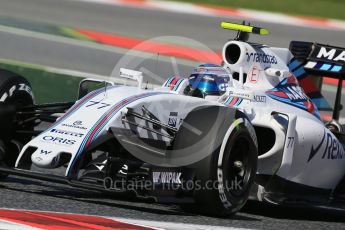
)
(14, 91)
(227, 177)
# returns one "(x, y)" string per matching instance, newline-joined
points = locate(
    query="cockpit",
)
(207, 81)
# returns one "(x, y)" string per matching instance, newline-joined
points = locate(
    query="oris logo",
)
(59, 140)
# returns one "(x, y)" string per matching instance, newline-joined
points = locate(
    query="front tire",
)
(15, 91)
(227, 175)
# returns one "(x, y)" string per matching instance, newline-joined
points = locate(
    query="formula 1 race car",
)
(249, 127)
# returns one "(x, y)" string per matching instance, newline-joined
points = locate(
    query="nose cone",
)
(45, 158)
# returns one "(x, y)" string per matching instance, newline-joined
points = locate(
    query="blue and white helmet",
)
(207, 80)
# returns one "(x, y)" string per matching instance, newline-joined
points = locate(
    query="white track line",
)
(4, 224)
(175, 226)
(159, 225)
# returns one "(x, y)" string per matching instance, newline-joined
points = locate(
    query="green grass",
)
(316, 8)
(47, 86)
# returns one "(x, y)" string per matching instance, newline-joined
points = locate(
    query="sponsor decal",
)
(288, 91)
(166, 177)
(68, 133)
(19, 87)
(333, 149)
(26, 88)
(45, 152)
(331, 54)
(76, 125)
(126, 74)
(242, 94)
(172, 119)
(254, 75)
(259, 98)
(261, 58)
(58, 140)
(221, 189)
(223, 86)
(212, 70)
(97, 104)
(201, 69)
(123, 170)
(208, 78)
(295, 93)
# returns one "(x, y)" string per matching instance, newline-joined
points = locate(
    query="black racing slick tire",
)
(15, 91)
(226, 177)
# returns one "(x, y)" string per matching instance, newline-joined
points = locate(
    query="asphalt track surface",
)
(31, 194)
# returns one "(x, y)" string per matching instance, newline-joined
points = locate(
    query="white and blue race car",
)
(248, 127)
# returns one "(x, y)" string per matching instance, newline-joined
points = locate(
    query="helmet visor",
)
(208, 84)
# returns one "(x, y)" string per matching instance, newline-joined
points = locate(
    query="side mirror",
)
(88, 85)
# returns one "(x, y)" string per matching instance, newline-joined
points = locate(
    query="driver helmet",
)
(207, 80)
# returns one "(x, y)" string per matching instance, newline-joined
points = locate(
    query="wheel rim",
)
(239, 167)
